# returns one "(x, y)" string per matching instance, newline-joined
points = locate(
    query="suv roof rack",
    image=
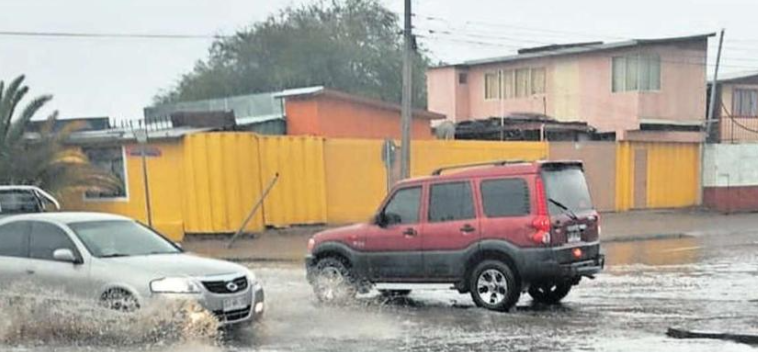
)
(439, 171)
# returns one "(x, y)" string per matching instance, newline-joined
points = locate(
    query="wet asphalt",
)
(700, 283)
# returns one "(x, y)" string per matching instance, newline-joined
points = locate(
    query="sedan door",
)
(58, 276)
(14, 252)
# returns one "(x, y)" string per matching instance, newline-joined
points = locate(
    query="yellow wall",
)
(208, 182)
(673, 175)
(356, 180)
(166, 186)
(299, 196)
(222, 177)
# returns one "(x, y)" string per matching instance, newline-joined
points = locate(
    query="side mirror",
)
(380, 220)
(65, 255)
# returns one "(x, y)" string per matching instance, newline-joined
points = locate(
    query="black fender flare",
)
(356, 261)
(501, 250)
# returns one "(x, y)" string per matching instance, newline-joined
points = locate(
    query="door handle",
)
(410, 232)
(30, 271)
(467, 228)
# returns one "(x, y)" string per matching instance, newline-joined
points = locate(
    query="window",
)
(462, 78)
(568, 187)
(538, 81)
(122, 238)
(491, 86)
(509, 84)
(522, 82)
(45, 239)
(403, 208)
(19, 201)
(451, 202)
(505, 197)
(110, 159)
(745, 102)
(14, 239)
(638, 72)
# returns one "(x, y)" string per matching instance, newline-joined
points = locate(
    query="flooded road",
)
(649, 286)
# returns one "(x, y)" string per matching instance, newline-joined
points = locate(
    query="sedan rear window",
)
(567, 187)
(121, 238)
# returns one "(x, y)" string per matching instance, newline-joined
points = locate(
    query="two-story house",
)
(651, 89)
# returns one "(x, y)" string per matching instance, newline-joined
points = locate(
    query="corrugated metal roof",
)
(124, 135)
(248, 109)
(734, 76)
(578, 49)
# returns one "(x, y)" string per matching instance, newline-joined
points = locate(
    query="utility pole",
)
(709, 119)
(712, 106)
(406, 114)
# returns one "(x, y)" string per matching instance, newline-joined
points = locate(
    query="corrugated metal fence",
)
(208, 182)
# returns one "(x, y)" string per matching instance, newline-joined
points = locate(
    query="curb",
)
(647, 237)
(677, 333)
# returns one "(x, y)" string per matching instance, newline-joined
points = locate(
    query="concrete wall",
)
(731, 177)
(578, 88)
(599, 166)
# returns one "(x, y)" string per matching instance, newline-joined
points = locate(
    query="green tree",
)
(349, 45)
(42, 159)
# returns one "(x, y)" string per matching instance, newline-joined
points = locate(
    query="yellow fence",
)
(657, 175)
(208, 183)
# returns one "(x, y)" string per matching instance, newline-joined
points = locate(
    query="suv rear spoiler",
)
(439, 171)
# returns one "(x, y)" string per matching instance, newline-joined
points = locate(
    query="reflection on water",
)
(676, 251)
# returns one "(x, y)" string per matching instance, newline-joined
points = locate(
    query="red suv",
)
(494, 230)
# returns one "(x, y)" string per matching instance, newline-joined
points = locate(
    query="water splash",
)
(29, 317)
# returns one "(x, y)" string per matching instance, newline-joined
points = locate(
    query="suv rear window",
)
(505, 197)
(18, 201)
(568, 187)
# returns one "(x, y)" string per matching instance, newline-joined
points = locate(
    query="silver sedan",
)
(121, 264)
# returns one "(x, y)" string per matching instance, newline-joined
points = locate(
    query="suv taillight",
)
(542, 224)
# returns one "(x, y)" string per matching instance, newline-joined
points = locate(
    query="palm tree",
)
(42, 159)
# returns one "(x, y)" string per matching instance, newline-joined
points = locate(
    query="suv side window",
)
(14, 239)
(505, 197)
(403, 208)
(46, 238)
(450, 202)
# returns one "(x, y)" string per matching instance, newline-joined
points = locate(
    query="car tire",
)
(119, 299)
(494, 286)
(395, 293)
(550, 293)
(333, 282)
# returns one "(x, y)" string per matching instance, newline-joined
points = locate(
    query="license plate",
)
(574, 237)
(235, 303)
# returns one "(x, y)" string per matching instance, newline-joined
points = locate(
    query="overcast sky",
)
(118, 77)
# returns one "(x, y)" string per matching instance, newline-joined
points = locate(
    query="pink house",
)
(652, 89)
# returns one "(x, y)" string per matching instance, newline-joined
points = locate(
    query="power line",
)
(108, 35)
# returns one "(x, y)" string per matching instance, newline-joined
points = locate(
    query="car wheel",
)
(549, 293)
(494, 286)
(333, 282)
(395, 293)
(120, 300)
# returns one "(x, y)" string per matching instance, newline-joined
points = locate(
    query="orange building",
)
(323, 112)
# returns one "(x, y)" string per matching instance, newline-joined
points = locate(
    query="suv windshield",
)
(567, 187)
(19, 201)
(121, 238)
